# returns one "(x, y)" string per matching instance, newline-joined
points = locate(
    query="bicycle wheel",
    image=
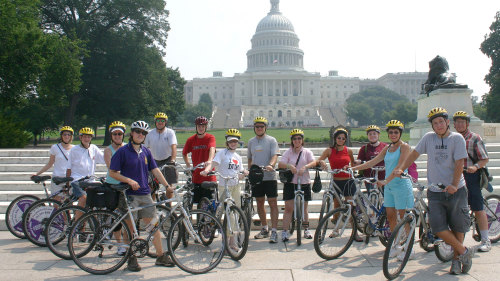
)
(334, 234)
(325, 206)
(58, 227)
(444, 252)
(207, 234)
(93, 244)
(299, 204)
(35, 219)
(248, 210)
(14, 214)
(425, 236)
(198, 257)
(493, 215)
(399, 248)
(385, 234)
(166, 218)
(237, 235)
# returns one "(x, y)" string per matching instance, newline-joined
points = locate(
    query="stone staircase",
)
(226, 118)
(17, 165)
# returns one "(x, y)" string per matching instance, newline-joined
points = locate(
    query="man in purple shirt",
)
(130, 164)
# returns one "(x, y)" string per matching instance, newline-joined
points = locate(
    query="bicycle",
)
(34, 219)
(330, 194)
(91, 243)
(343, 222)
(247, 202)
(401, 242)
(234, 224)
(16, 208)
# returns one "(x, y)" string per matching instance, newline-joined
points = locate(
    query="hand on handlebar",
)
(381, 183)
(397, 172)
(269, 168)
(133, 184)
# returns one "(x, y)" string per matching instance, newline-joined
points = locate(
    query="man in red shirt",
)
(202, 149)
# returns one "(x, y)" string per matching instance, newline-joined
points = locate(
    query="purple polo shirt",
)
(135, 166)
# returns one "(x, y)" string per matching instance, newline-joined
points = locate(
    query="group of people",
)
(453, 160)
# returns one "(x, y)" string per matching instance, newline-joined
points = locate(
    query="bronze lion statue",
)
(439, 76)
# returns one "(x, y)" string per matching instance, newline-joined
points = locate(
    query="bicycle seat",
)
(59, 180)
(38, 179)
(120, 186)
(209, 185)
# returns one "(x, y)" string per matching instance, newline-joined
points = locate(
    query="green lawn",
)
(311, 134)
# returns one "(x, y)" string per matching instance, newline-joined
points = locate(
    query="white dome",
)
(274, 21)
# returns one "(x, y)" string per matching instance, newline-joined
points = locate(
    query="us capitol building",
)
(277, 86)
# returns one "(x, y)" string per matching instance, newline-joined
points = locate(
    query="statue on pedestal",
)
(439, 76)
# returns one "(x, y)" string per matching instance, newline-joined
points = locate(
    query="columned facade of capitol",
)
(276, 86)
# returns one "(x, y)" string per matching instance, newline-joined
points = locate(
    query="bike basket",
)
(256, 174)
(102, 197)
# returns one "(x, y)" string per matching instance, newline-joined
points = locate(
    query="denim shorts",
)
(449, 211)
(77, 190)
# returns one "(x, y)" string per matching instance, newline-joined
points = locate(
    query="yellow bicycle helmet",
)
(395, 124)
(296, 132)
(437, 112)
(161, 115)
(86, 131)
(339, 131)
(233, 133)
(372, 128)
(260, 119)
(462, 115)
(66, 128)
(117, 125)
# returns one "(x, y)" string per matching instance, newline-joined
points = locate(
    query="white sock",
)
(484, 235)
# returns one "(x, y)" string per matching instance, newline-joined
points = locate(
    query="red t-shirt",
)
(338, 160)
(368, 152)
(199, 149)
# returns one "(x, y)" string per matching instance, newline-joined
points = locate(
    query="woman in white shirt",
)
(59, 154)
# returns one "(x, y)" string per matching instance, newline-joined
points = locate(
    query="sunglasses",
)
(117, 134)
(341, 138)
(140, 132)
(260, 127)
(298, 138)
(67, 135)
(161, 120)
(393, 132)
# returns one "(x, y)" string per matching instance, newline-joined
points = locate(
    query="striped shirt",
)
(475, 148)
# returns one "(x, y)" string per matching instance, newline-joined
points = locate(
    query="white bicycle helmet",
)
(140, 125)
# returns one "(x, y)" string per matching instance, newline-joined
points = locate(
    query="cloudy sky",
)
(362, 38)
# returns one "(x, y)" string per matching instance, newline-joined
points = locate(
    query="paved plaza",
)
(21, 260)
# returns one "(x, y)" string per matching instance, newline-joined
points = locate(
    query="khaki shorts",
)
(138, 201)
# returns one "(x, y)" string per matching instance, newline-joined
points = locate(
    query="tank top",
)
(338, 160)
(391, 160)
(109, 179)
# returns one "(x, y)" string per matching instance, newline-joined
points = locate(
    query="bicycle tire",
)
(14, 214)
(384, 223)
(35, 219)
(325, 206)
(57, 230)
(248, 210)
(186, 257)
(493, 201)
(399, 237)
(206, 234)
(166, 218)
(241, 233)
(443, 251)
(425, 242)
(339, 242)
(298, 205)
(85, 249)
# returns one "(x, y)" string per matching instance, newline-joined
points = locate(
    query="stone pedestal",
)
(452, 100)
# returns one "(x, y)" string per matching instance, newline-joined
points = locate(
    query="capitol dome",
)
(275, 46)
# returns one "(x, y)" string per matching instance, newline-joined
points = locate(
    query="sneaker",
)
(456, 267)
(307, 234)
(274, 237)
(284, 236)
(121, 251)
(466, 259)
(395, 251)
(133, 265)
(485, 246)
(335, 233)
(164, 260)
(264, 233)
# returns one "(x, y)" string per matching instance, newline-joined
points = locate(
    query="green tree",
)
(377, 105)
(491, 48)
(206, 105)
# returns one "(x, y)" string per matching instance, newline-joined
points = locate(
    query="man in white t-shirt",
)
(82, 161)
(162, 142)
